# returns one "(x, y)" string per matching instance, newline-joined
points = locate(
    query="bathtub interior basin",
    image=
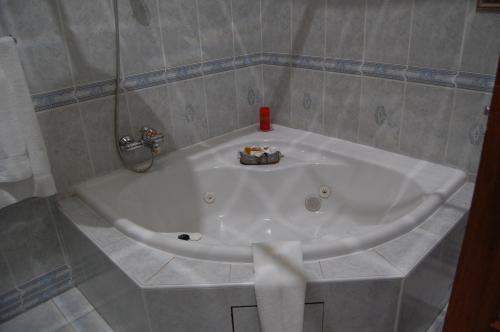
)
(369, 196)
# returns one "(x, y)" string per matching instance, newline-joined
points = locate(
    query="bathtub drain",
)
(312, 203)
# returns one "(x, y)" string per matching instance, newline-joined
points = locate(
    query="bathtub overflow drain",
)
(313, 203)
(209, 197)
(324, 191)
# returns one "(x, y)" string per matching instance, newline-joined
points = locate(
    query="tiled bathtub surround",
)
(186, 51)
(33, 267)
(386, 288)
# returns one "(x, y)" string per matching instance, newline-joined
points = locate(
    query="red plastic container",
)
(265, 118)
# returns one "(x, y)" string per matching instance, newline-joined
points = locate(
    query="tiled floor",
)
(68, 312)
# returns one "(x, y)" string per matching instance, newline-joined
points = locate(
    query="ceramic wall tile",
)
(437, 32)
(276, 21)
(388, 31)
(150, 108)
(221, 103)
(247, 28)
(345, 29)
(354, 305)
(277, 93)
(215, 29)
(308, 27)
(249, 95)
(426, 121)
(67, 149)
(98, 120)
(140, 33)
(179, 24)
(307, 100)
(481, 45)
(90, 36)
(467, 129)
(382, 103)
(189, 116)
(342, 105)
(40, 43)
(28, 240)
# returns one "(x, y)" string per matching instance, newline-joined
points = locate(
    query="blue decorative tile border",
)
(34, 292)
(431, 76)
(343, 66)
(372, 69)
(475, 82)
(382, 70)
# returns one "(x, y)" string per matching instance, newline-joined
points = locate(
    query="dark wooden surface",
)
(475, 298)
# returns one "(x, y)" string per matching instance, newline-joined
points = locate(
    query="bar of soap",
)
(195, 236)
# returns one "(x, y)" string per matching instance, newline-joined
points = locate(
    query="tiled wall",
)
(32, 264)
(410, 76)
(191, 68)
(404, 75)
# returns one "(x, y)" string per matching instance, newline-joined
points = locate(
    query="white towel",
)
(280, 285)
(24, 166)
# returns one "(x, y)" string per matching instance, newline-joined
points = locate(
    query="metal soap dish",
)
(264, 159)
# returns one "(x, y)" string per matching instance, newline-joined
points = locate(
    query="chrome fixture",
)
(150, 138)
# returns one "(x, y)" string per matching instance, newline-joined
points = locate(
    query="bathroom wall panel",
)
(249, 95)
(150, 108)
(277, 93)
(116, 297)
(426, 121)
(382, 104)
(427, 289)
(40, 42)
(345, 27)
(28, 240)
(90, 36)
(342, 105)
(362, 305)
(189, 115)
(246, 319)
(210, 309)
(307, 100)
(215, 19)
(64, 136)
(388, 31)
(481, 42)
(98, 122)
(437, 32)
(467, 129)
(246, 25)
(140, 33)
(276, 25)
(308, 27)
(221, 103)
(180, 31)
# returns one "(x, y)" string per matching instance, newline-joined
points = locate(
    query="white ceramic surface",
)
(376, 196)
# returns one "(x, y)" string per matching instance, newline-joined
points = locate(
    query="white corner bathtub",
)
(375, 196)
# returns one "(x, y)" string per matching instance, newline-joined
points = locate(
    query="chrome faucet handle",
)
(127, 143)
(151, 136)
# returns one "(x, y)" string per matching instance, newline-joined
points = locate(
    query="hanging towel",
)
(280, 285)
(24, 166)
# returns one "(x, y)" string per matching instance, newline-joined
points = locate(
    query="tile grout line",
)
(164, 57)
(454, 98)
(405, 87)
(202, 72)
(323, 95)
(235, 71)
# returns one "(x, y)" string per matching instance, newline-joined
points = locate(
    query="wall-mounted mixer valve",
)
(150, 138)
